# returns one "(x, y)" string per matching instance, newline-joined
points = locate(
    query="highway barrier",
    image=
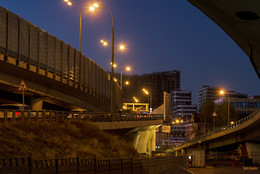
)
(29, 47)
(52, 115)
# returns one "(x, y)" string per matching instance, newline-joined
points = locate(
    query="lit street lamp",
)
(128, 68)
(92, 8)
(121, 80)
(69, 2)
(135, 99)
(222, 92)
(150, 97)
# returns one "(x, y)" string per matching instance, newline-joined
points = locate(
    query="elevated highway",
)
(240, 20)
(53, 71)
(242, 131)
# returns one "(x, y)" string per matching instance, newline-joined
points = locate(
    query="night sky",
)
(159, 36)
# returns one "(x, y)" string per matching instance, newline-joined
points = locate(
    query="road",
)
(223, 170)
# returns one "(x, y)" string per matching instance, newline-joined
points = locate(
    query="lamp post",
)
(92, 8)
(128, 68)
(69, 2)
(222, 92)
(121, 47)
(150, 97)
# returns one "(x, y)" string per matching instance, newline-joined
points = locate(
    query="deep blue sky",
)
(159, 35)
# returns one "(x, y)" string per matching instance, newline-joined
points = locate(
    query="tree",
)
(207, 109)
(222, 114)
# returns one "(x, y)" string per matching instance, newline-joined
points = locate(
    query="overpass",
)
(58, 74)
(138, 129)
(240, 20)
(53, 71)
(246, 130)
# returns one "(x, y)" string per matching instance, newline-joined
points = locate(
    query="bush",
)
(68, 139)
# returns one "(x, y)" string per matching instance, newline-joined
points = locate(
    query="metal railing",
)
(52, 115)
(224, 128)
(27, 46)
(28, 165)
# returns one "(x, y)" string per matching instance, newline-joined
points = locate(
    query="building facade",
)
(208, 93)
(155, 83)
(244, 106)
(182, 108)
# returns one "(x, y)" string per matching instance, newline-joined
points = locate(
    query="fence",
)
(27, 165)
(44, 54)
(12, 115)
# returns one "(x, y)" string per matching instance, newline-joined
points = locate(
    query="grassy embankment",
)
(68, 139)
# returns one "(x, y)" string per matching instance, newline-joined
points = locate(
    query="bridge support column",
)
(36, 103)
(145, 141)
(253, 151)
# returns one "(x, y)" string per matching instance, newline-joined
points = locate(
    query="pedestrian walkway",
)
(223, 170)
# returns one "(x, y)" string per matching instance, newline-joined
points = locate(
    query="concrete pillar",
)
(143, 141)
(253, 150)
(146, 141)
(136, 140)
(36, 103)
(153, 139)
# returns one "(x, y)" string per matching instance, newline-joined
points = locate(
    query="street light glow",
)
(96, 5)
(69, 3)
(128, 68)
(121, 47)
(136, 100)
(91, 8)
(66, 0)
(102, 41)
(222, 92)
(145, 91)
(127, 82)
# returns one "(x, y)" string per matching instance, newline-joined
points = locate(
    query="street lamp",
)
(127, 68)
(96, 5)
(222, 92)
(70, 3)
(127, 82)
(135, 99)
(150, 97)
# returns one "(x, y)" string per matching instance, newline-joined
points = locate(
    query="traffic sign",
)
(22, 87)
(214, 114)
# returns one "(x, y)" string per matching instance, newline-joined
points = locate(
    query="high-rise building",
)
(208, 92)
(213, 93)
(182, 112)
(155, 83)
(243, 106)
(181, 105)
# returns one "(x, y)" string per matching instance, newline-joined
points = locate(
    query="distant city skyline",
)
(173, 35)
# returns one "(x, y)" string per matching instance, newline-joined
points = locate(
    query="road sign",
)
(214, 114)
(22, 87)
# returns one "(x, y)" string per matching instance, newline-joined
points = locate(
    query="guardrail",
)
(28, 165)
(224, 128)
(51, 115)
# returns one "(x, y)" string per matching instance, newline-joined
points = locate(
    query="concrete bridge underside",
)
(248, 131)
(63, 94)
(141, 134)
